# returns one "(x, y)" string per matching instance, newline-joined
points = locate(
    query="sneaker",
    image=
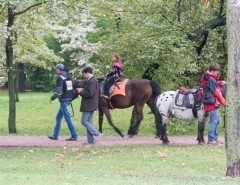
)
(53, 138)
(212, 143)
(220, 142)
(87, 144)
(97, 138)
(71, 139)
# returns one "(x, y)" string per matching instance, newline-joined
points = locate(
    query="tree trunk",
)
(10, 68)
(22, 78)
(17, 83)
(232, 134)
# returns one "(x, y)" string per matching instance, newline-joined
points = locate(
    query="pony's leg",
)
(133, 129)
(100, 118)
(164, 136)
(108, 115)
(201, 127)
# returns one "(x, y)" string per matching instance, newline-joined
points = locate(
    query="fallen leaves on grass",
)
(161, 155)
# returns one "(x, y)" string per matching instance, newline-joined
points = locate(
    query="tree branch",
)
(203, 43)
(30, 7)
(214, 23)
(222, 4)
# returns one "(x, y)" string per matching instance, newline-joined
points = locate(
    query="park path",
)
(43, 141)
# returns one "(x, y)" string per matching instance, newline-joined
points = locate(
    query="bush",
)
(40, 79)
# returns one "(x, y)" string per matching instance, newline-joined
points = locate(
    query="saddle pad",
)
(184, 100)
(119, 88)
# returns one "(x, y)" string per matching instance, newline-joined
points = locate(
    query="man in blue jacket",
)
(64, 93)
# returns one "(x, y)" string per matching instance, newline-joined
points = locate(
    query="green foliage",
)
(40, 79)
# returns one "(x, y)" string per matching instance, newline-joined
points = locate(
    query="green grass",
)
(114, 165)
(36, 117)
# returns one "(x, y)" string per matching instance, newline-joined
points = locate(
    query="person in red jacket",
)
(212, 99)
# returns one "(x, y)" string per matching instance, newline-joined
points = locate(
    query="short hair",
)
(214, 67)
(117, 55)
(87, 70)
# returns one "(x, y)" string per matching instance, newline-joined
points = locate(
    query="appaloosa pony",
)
(184, 105)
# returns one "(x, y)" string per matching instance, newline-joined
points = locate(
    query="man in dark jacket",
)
(64, 93)
(89, 104)
(212, 99)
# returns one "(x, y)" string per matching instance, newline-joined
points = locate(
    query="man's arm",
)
(59, 89)
(89, 93)
(216, 91)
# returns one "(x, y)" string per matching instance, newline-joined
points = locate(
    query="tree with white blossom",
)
(74, 37)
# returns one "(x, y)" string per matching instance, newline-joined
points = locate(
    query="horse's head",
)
(79, 83)
(223, 88)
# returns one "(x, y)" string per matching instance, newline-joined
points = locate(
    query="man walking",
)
(89, 104)
(212, 99)
(64, 92)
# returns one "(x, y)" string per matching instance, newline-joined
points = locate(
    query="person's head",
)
(214, 68)
(87, 72)
(116, 57)
(59, 68)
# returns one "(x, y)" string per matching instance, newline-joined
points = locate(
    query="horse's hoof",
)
(201, 143)
(165, 143)
(122, 135)
(131, 136)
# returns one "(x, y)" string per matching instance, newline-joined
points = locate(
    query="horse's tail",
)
(156, 90)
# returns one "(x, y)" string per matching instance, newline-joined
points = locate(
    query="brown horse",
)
(138, 92)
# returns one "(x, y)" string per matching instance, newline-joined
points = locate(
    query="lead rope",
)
(72, 110)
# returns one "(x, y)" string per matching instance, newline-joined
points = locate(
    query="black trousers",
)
(108, 84)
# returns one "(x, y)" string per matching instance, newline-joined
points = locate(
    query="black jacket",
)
(90, 95)
(64, 88)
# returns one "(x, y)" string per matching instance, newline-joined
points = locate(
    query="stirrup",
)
(104, 96)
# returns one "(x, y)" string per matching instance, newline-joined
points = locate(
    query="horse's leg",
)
(100, 118)
(158, 119)
(108, 115)
(132, 123)
(202, 115)
(201, 128)
(133, 130)
(165, 139)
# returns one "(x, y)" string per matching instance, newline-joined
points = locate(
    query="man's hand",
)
(50, 101)
(79, 90)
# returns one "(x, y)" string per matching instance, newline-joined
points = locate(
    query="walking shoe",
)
(220, 142)
(212, 143)
(53, 138)
(97, 138)
(71, 139)
(87, 144)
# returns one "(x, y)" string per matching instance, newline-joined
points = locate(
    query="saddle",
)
(118, 88)
(115, 89)
(189, 98)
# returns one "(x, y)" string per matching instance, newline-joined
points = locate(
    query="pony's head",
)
(223, 88)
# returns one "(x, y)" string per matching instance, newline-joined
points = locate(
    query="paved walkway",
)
(43, 141)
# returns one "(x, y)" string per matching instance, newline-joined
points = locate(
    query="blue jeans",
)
(213, 125)
(87, 122)
(63, 112)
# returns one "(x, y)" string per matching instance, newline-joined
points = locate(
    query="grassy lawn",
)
(114, 165)
(36, 117)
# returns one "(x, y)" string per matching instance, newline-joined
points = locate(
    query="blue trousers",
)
(64, 112)
(87, 122)
(213, 125)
